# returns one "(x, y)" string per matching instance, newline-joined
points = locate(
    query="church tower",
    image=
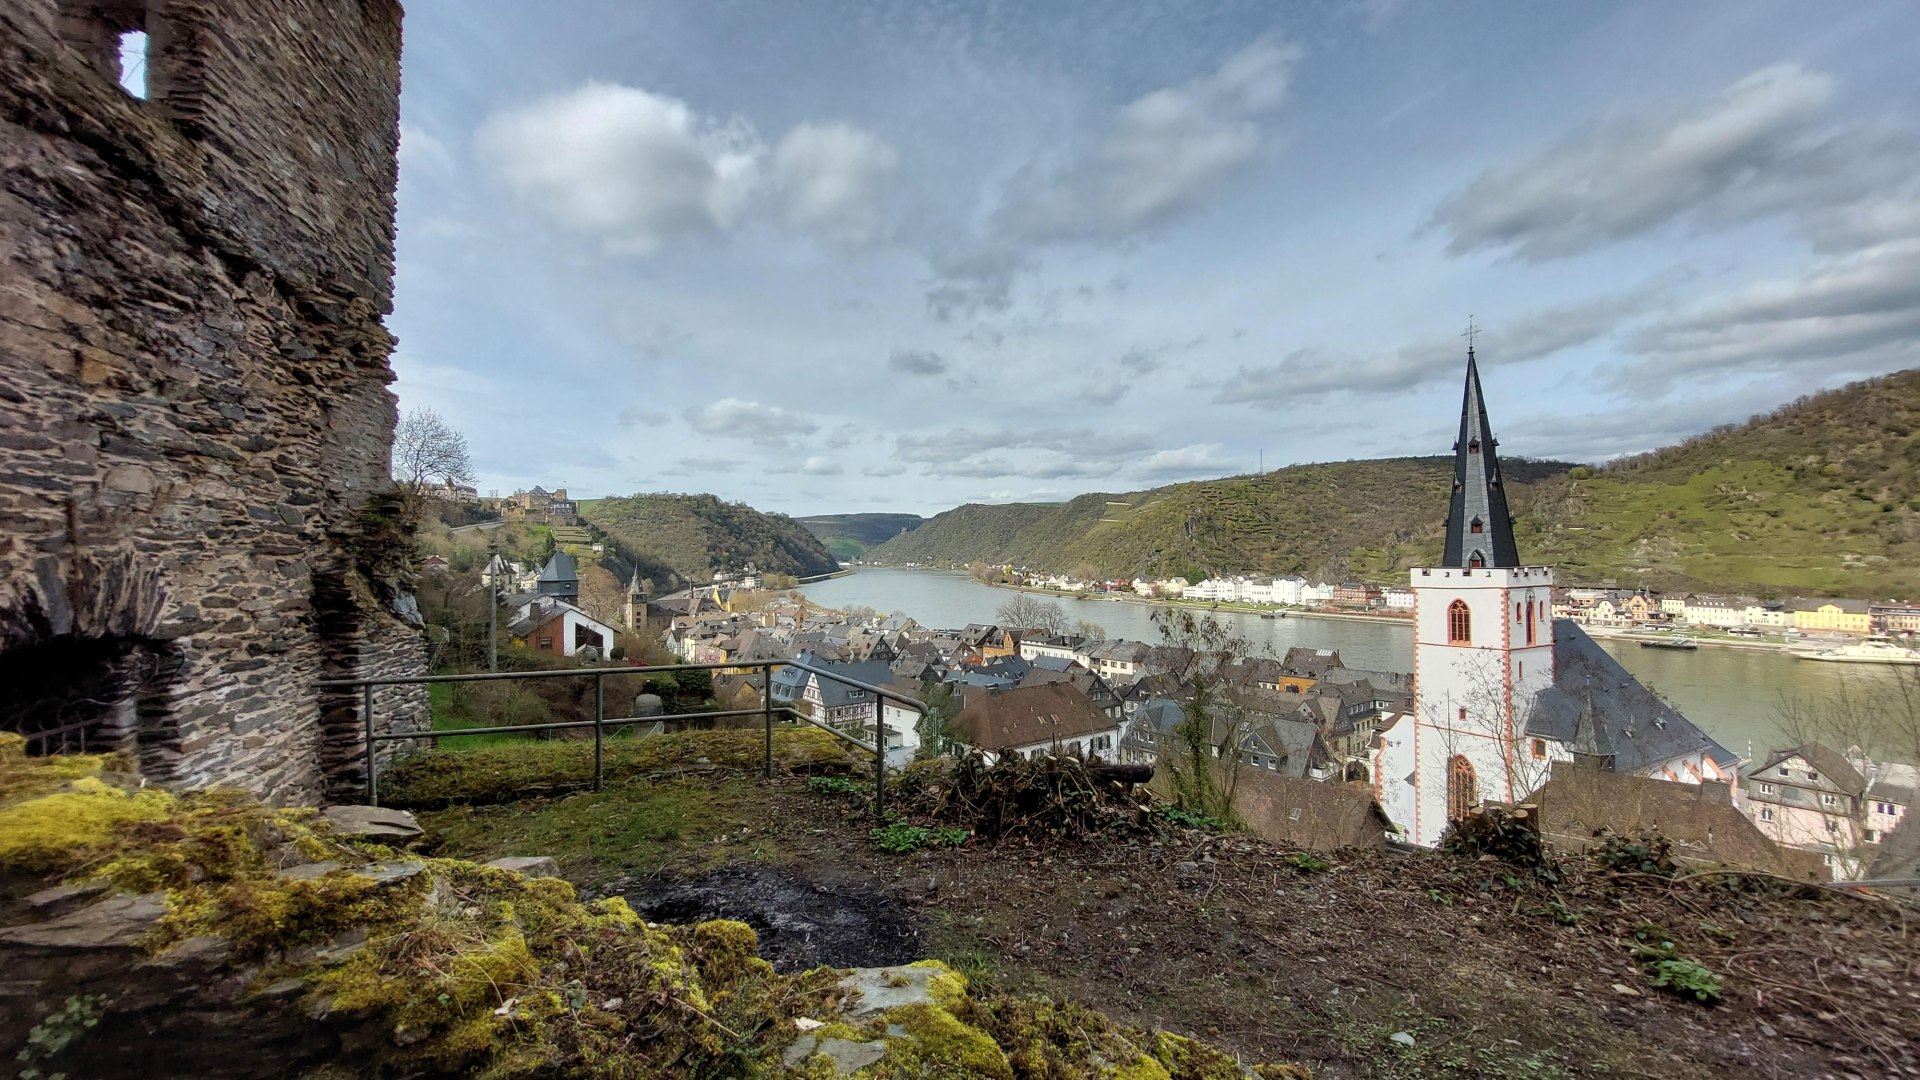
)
(1483, 648)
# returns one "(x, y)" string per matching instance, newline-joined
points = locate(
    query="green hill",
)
(694, 535)
(849, 536)
(1817, 497)
(1369, 518)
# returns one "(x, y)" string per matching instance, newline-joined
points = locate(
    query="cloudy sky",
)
(832, 257)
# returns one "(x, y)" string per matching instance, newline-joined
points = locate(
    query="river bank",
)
(1737, 692)
(1259, 610)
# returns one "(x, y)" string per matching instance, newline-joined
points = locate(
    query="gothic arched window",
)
(1532, 624)
(1459, 624)
(1463, 788)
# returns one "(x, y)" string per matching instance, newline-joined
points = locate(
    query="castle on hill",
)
(1502, 690)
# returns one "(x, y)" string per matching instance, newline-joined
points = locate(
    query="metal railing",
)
(601, 722)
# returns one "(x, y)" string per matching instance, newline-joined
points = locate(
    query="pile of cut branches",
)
(1508, 833)
(1052, 795)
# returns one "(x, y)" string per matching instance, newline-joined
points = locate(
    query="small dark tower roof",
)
(1479, 528)
(559, 568)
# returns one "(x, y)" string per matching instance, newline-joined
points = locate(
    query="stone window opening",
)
(122, 40)
(133, 62)
(79, 694)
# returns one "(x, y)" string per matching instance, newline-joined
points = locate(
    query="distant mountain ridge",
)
(849, 536)
(695, 535)
(1817, 497)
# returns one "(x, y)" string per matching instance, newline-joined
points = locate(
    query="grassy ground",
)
(1226, 938)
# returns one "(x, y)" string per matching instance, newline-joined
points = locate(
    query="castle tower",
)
(1483, 648)
(636, 601)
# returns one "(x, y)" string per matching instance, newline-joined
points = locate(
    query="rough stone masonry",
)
(194, 413)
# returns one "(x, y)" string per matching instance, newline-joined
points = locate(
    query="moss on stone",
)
(60, 830)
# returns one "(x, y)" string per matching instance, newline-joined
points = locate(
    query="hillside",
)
(1816, 497)
(1363, 517)
(694, 535)
(849, 536)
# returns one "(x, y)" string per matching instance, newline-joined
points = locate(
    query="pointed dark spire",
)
(1479, 528)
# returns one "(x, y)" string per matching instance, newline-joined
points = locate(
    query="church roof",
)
(560, 568)
(1596, 708)
(1478, 523)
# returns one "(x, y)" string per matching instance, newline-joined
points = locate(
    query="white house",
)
(1400, 599)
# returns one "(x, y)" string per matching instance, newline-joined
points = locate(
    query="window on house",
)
(1766, 789)
(1829, 800)
(546, 643)
(1459, 624)
(1883, 808)
(1463, 714)
(1871, 836)
(1832, 825)
(1540, 749)
(1784, 772)
(1766, 813)
(1811, 775)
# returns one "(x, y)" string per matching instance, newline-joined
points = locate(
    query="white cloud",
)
(1756, 148)
(641, 171)
(421, 151)
(835, 183)
(1160, 154)
(1855, 312)
(820, 466)
(1197, 459)
(768, 425)
(1310, 374)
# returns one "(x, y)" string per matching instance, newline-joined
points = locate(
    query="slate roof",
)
(1479, 526)
(871, 672)
(1596, 708)
(1029, 716)
(1054, 663)
(560, 568)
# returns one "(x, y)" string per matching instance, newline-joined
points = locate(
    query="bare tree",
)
(427, 452)
(1090, 630)
(1202, 758)
(1872, 718)
(1032, 613)
(1482, 711)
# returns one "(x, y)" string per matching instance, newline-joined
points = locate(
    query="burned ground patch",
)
(802, 923)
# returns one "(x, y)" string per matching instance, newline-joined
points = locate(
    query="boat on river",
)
(1871, 651)
(1273, 614)
(1684, 643)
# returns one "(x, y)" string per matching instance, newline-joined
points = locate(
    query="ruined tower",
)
(194, 376)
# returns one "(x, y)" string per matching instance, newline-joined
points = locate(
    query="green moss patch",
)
(498, 774)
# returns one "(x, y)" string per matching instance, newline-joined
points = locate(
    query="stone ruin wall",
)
(193, 375)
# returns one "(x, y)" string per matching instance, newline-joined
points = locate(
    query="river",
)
(1734, 694)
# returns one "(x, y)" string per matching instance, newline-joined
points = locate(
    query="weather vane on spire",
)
(1472, 332)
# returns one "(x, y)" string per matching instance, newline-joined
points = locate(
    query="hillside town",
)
(1594, 606)
(1541, 716)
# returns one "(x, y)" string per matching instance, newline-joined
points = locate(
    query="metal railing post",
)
(879, 759)
(766, 711)
(599, 731)
(373, 766)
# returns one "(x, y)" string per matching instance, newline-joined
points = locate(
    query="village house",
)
(1817, 799)
(1895, 619)
(1116, 661)
(550, 625)
(1832, 616)
(1031, 721)
(1356, 594)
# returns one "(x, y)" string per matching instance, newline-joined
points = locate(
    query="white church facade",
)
(1501, 689)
